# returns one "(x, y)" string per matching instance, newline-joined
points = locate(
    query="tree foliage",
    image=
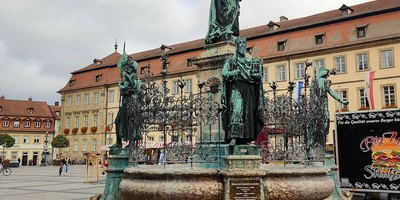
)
(60, 141)
(7, 139)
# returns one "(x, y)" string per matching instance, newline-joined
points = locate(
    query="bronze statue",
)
(130, 88)
(319, 89)
(242, 96)
(224, 21)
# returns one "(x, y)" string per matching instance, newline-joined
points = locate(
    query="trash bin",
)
(14, 163)
(6, 163)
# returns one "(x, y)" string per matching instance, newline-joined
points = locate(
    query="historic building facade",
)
(29, 122)
(356, 41)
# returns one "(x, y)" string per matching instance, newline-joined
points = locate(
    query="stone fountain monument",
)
(230, 113)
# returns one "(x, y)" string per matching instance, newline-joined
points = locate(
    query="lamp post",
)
(4, 145)
(46, 141)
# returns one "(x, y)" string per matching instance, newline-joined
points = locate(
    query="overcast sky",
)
(42, 41)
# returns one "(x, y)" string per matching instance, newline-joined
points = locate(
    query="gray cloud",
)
(42, 41)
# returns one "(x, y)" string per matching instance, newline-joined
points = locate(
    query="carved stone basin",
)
(294, 182)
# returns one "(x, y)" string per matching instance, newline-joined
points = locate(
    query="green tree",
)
(60, 142)
(7, 139)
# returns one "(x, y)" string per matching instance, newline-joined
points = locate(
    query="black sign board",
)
(369, 149)
(244, 190)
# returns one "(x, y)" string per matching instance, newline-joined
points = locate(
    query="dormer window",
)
(98, 77)
(281, 45)
(71, 83)
(189, 62)
(272, 26)
(27, 123)
(6, 123)
(345, 10)
(248, 49)
(97, 61)
(361, 30)
(16, 123)
(319, 39)
(47, 124)
(30, 110)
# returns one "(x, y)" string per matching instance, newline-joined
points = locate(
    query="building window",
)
(389, 96)
(69, 101)
(76, 121)
(85, 121)
(363, 98)
(84, 146)
(71, 83)
(78, 100)
(75, 145)
(142, 70)
(16, 124)
(362, 61)
(26, 139)
(319, 39)
(94, 145)
(96, 97)
(37, 124)
(343, 95)
(361, 31)
(47, 124)
(265, 76)
(151, 139)
(175, 87)
(86, 99)
(188, 87)
(36, 140)
(386, 58)
(189, 62)
(110, 118)
(300, 70)
(95, 120)
(340, 63)
(27, 124)
(281, 45)
(111, 96)
(6, 123)
(98, 77)
(281, 74)
(318, 65)
(68, 125)
(161, 139)
(66, 149)
(16, 139)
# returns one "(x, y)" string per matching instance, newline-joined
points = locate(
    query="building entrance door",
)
(35, 158)
(24, 158)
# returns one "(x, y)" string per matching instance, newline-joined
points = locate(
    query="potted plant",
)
(93, 129)
(390, 106)
(107, 128)
(66, 131)
(364, 108)
(83, 130)
(344, 109)
(74, 130)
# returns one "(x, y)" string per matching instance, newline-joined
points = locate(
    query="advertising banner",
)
(369, 149)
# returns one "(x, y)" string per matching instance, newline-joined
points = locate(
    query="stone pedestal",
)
(118, 160)
(242, 162)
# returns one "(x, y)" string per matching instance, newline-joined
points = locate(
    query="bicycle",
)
(6, 171)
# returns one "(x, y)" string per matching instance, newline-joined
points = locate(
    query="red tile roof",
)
(186, 50)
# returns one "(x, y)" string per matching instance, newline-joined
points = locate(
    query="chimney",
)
(2, 97)
(283, 18)
(30, 99)
(56, 103)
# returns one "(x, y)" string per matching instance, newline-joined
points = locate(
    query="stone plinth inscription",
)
(244, 190)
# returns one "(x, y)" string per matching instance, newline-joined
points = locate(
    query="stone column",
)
(118, 160)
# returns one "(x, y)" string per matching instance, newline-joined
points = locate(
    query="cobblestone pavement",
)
(44, 183)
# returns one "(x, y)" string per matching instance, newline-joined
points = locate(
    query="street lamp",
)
(45, 150)
(3, 157)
